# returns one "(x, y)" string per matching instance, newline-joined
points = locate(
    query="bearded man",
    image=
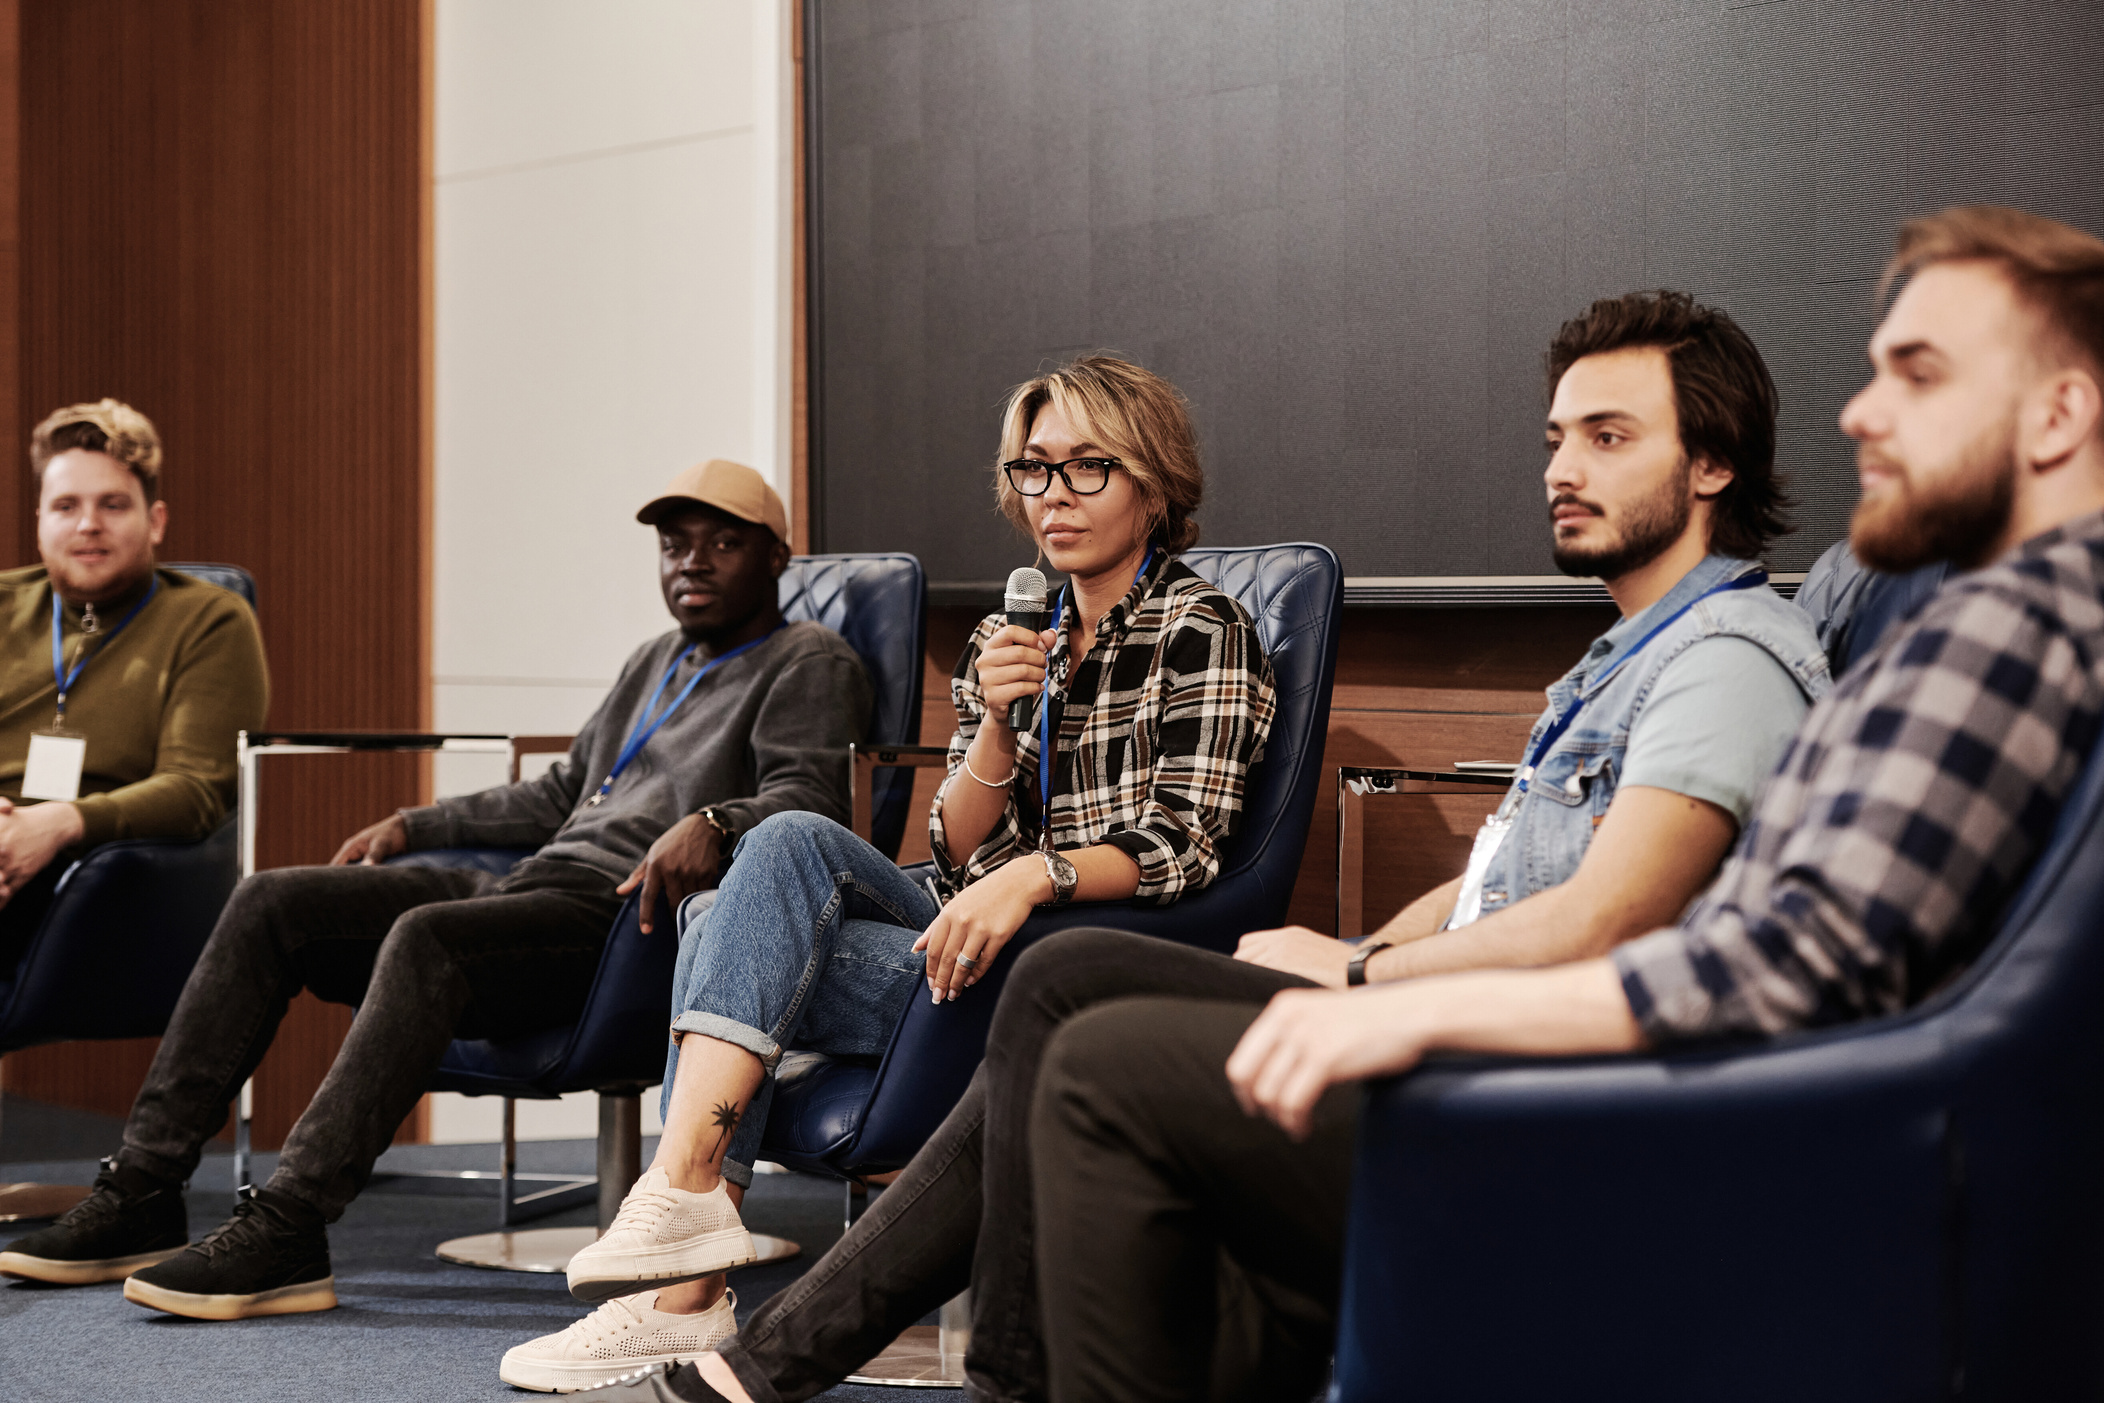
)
(123, 686)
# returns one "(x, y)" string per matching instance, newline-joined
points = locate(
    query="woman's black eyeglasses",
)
(1084, 477)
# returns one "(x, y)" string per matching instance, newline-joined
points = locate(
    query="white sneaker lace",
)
(619, 1314)
(625, 1313)
(642, 1211)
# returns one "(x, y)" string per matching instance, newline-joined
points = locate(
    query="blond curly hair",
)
(106, 426)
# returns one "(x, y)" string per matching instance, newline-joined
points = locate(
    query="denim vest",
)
(1553, 820)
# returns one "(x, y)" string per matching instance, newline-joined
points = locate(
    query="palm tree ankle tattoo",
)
(726, 1121)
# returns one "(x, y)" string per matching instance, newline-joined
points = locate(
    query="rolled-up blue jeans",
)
(808, 944)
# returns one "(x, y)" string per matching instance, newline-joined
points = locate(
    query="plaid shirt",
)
(1904, 816)
(1157, 729)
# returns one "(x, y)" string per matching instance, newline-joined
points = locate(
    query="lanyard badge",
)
(58, 756)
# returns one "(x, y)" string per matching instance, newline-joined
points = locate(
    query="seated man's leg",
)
(448, 965)
(965, 1201)
(514, 960)
(317, 927)
(314, 926)
(1153, 1173)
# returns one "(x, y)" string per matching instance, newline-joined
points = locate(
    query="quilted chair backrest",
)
(227, 577)
(878, 603)
(1295, 594)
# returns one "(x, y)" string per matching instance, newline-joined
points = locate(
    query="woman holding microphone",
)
(1150, 697)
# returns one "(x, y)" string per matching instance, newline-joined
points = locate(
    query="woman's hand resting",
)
(979, 921)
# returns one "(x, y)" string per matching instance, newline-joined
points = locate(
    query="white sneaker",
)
(625, 1334)
(661, 1237)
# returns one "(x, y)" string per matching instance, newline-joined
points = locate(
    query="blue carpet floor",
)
(409, 1328)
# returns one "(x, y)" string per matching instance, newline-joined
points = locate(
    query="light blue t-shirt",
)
(1718, 716)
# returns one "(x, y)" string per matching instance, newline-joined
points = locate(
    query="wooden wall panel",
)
(1418, 687)
(223, 206)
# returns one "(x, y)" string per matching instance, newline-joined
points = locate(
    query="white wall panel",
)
(538, 80)
(594, 333)
(612, 225)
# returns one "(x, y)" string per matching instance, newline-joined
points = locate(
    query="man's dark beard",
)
(1651, 526)
(1960, 520)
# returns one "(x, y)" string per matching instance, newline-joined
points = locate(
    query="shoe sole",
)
(568, 1376)
(285, 1300)
(690, 1260)
(58, 1273)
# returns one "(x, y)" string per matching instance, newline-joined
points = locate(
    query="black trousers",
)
(425, 954)
(967, 1210)
(25, 911)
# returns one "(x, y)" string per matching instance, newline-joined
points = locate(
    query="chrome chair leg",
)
(925, 1356)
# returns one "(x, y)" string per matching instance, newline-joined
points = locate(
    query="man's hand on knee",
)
(374, 844)
(31, 835)
(680, 863)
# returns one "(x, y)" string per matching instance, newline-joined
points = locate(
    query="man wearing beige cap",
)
(731, 717)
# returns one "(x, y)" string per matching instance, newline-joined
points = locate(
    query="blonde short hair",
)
(106, 426)
(1133, 413)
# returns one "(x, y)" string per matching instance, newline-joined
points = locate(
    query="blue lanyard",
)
(1753, 579)
(646, 727)
(1044, 721)
(66, 679)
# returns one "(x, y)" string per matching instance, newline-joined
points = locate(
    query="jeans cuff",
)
(730, 1030)
(739, 1174)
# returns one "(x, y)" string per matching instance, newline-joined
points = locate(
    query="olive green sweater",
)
(160, 703)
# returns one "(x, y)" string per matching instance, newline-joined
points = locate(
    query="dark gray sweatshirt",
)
(766, 732)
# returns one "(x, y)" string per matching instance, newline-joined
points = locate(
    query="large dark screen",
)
(1347, 231)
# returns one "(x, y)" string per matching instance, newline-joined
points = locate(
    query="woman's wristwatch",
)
(1064, 878)
(1355, 972)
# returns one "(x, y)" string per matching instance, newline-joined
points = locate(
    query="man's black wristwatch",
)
(1355, 972)
(1064, 878)
(714, 818)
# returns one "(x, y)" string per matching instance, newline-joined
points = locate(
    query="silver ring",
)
(967, 961)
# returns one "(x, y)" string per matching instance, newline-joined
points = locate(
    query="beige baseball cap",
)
(727, 486)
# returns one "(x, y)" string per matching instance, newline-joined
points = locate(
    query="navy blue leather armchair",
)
(127, 922)
(617, 1046)
(1900, 1209)
(850, 1120)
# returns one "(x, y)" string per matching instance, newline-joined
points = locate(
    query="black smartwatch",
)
(1355, 972)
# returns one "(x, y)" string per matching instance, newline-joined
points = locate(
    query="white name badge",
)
(1489, 838)
(55, 763)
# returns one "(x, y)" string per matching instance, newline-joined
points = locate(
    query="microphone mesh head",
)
(1026, 590)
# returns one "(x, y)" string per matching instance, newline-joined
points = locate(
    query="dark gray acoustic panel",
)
(1347, 230)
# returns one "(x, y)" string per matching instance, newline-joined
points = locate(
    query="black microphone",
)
(1025, 602)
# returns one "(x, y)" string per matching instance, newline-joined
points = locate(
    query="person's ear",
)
(1710, 478)
(2058, 418)
(778, 560)
(157, 522)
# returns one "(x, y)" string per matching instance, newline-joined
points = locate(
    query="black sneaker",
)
(660, 1383)
(270, 1258)
(129, 1221)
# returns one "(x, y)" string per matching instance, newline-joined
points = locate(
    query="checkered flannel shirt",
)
(1904, 816)
(1158, 727)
